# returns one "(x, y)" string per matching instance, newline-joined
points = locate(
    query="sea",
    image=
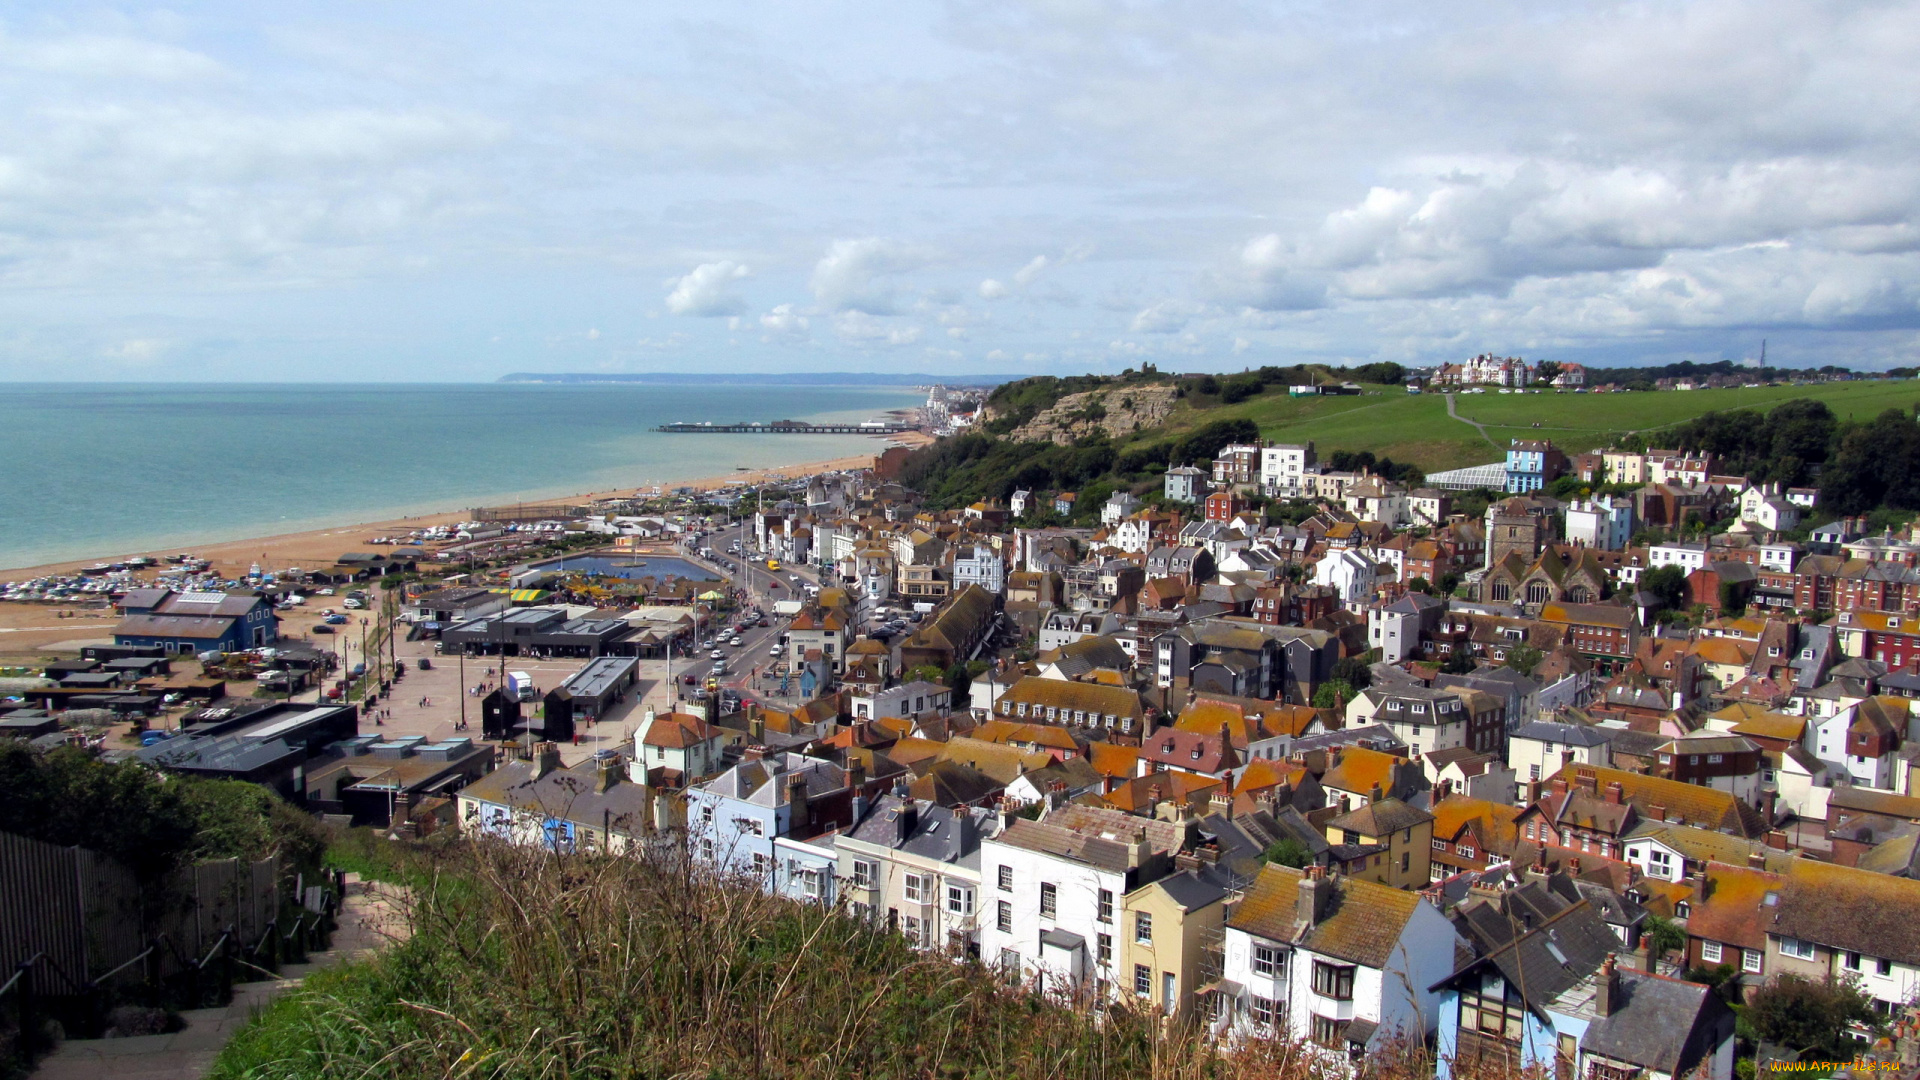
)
(93, 470)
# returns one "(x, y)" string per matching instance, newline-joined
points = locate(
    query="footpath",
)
(370, 919)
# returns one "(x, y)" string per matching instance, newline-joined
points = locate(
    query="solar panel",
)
(202, 597)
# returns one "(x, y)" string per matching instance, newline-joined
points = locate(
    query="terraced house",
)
(1073, 704)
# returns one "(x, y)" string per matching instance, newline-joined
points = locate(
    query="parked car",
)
(425, 664)
(323, 628)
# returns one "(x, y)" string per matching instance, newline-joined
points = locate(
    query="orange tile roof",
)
(1494, 822)
(1111, 759)
(1359, 769)
(1362, 925)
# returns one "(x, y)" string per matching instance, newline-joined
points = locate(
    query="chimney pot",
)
(1607, 987)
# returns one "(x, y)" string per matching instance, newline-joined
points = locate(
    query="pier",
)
(788, 427)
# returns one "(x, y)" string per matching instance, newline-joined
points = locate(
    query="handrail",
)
(98, 979)
(225, 936)
(265, 936)
(20, 970)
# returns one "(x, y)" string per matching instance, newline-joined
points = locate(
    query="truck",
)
(520, 685)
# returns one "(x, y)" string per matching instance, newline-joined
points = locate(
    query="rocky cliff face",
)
(1117, 411)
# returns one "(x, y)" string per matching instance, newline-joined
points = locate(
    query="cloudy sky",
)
(433, 191)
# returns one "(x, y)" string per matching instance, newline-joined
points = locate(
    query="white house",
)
(1354, 576)
(908, 699)
(1603, 522)
(1284, 467)
(1338, 960)
(1688, 557)
(1118, 508)
(1053, 888)
(916, 865)
(1541, 748)
(978, 564)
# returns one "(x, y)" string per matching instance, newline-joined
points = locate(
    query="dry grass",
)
(520, 964)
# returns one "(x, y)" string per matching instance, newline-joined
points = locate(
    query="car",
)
(716, 655)
(323, 628)
(775, 650)
(719, 667)
(425, 664)
(736, 641)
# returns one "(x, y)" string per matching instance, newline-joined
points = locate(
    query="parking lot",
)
(429, 703)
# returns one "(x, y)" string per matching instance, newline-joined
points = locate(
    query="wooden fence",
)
(82, 911)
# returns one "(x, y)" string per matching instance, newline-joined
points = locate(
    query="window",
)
(1439, 845)
(1105, 914)
(1853, 961)
(1750, 960)
(1883, 966)
(810, 884)
(750, 826)
(759, 864)
(1794, 947)
(1006, 879)
(1268, 960)
(1262, 1011)
(915, 929)
(1143, 980)
(1142, 928)
(1104, 949)
(959, 900)
(915, 889)
(1710, 951)
(1495, 1011)
(1003, 920)
(1328, 1030)
(1333, 980)
(1049, 899)
(1466, 852)
(863, 874)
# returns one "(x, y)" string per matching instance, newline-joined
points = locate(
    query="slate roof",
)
(1543, 937)
(1661, 1024)
(937, 832)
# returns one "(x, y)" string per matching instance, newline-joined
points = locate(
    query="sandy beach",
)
(316, 548)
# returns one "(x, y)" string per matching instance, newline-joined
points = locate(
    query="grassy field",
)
(1416, 428)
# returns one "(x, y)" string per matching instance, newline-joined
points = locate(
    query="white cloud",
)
(707, 291)
(785, 321)
(1167, 317)
(1026, 274)
(992, 290)
(860, 275)
(861, 328)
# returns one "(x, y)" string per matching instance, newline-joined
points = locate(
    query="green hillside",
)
(1416, 428)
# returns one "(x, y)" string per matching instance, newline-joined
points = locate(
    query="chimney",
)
(857, 776)
(1560, 785)
(1310, 903)
(1373, 794)
(1757, 860)
(756, 724)
(1657, 812)
(606, 772)
(1615, 793)
(906, 819)
(1777, 840)
(798, 813)
(546, 758)
(1606, 989)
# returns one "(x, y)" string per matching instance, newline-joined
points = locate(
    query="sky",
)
(432, 191)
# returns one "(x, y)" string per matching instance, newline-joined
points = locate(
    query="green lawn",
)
(1416, 427)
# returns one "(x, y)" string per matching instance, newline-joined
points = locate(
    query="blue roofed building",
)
(1532, 464)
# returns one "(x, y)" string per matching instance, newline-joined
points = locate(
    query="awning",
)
(713, 594)
(524, 596)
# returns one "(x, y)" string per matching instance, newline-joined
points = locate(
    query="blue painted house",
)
(764, 819)
(193, 622)
(1533, 464)
(1544, 990)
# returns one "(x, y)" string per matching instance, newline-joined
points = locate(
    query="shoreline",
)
(318, 547)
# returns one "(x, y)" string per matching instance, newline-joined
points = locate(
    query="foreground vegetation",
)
(525, 965)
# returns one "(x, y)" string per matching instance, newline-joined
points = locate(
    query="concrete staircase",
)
(369, 920)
